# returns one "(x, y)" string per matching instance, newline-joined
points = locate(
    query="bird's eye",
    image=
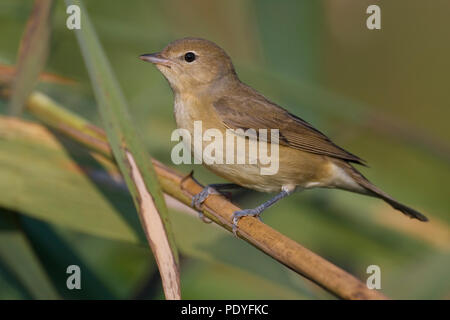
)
(189, 57)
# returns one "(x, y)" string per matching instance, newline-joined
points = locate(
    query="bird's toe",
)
(244, 213)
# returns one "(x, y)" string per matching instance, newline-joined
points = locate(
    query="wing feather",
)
(255, 111)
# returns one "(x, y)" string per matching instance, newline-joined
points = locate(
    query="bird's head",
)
(191, 63)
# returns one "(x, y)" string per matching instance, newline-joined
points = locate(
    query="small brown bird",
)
(207, 89)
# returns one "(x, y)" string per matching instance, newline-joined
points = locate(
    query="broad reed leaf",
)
(130, 155)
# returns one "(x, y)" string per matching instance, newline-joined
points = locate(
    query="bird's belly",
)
(295, 168)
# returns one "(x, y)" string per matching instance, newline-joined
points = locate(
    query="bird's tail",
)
(394, 203)
(376, 192)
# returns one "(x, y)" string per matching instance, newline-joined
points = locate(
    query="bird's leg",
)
(199, 198)
(255, 212)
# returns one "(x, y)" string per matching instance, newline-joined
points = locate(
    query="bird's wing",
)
(256, 112)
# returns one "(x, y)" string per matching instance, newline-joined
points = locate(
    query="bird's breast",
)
(183, 115)
(190, 108)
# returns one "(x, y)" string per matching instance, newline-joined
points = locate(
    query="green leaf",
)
(130, 155)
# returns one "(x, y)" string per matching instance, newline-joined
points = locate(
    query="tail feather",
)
(376, 192)
(394, 203)
(406, 210)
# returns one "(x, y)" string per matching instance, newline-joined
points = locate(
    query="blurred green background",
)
(381, 94)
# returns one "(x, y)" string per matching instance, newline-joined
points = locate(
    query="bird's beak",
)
(155, 58)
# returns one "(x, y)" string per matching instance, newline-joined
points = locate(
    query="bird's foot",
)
(245, 213)
(198, 200)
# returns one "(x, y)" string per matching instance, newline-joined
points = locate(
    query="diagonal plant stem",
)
(130, 156)
(32, 55)
(216, 208)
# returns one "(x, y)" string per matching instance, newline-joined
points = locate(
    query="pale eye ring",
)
(189, 57)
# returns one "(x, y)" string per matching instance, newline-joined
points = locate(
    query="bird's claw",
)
(244, 213)
(203, 218)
